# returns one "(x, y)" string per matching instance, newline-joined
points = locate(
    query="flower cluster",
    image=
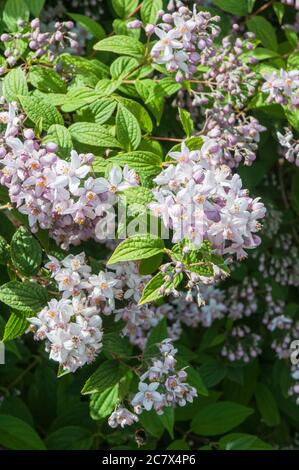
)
(122, 417)
(241, 345)
(167, 386)
(56, 194)
(72, 325)
(186, 39)
(229, 78)
(237, 134)
(200, 200)
(290, 146)
(282, 87)
(280, 263)
(49, 43)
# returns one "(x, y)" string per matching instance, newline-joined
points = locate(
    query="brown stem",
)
(25, 371)
(262, 8)
(136, 10)
(166, 139)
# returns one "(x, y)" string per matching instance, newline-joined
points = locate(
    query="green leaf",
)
(241, 441)
(15, 434)
(138, 111)
(264, 31)
(123, 45)
(103, 109)
(212, 373)
(27, 297)
(186, 121)
(16, 325)
(150, 265)
(26, 253)
(167, 419)
(146, 89)
(124, 7)
(267, 405)
(144, 163)
(218, 418)
(179, 444)
(123, 66)
(235, 7)
(292, 117)
(102, 404)
(69, 438)
(46, 80)
(14, 11)
(39, 110)
(136, 248)
(292, 37)
(138, 193)
(152, 291)
(149, 11)
(4, 251)
(194, 377)
(35, 6)
(279, 9)
(127, 129)
(90, 25)
(150, 421)
(93, 134)
(157, 334)
(61, 136)
(293, 61)
(15, 84)
(116, 345)
(107, 375)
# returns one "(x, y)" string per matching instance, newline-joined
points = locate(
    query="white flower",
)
(70, 174)
(147, 395)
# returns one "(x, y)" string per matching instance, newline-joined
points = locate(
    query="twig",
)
(167, 139)
(262, 8)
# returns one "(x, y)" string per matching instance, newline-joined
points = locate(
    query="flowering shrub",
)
(148, 224)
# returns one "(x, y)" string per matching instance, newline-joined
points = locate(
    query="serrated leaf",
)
(103, 109)
(218, 418)
(127, 129)
(107, 375)
(116, 345)
(46, 80)
(15, 10)
(26, 297)
(123, 45)
(16, 325)
(152, 291)
(14, 84)
(124, 7)
(61, 136)
(122, 66)
(37, 109)
(90, 25)
(93, 134)
(26, 253)
(186, 121)
(144, 163)
(138, 193)
(149, 11)
(138, 111)
(4, 251)
(264, 31)
(102, 404)
(136, 248)
(242, 441)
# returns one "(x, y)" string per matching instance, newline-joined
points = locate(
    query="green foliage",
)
(26, 253)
